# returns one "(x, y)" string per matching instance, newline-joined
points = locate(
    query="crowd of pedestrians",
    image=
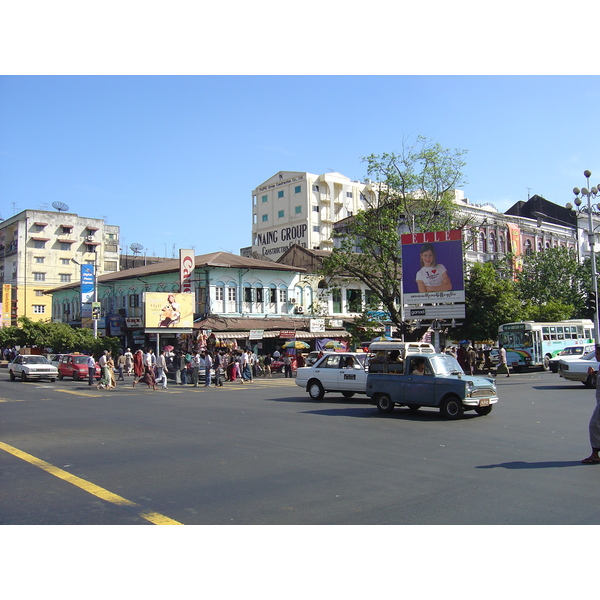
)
(209, 369)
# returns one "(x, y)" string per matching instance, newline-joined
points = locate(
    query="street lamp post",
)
(591, 209)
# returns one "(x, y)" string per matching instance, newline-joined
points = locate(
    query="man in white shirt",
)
(207, 367)
(91, 365)
(161, 367)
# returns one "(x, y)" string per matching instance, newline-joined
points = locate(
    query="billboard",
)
(187, 263)
(432, 267)
(173, 311)
(87, 283)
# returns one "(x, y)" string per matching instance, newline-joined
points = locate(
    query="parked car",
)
(570, 353)
(278, 366)
(431, 380)
(55, 359)
(75, 366)
(312, 358)
(32, 366)
(577, 369)
(342, 372)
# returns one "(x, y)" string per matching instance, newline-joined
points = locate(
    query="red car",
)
(75, 366)
(278, 366)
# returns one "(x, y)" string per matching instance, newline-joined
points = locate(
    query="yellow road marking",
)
(89, 487)
(78, 393)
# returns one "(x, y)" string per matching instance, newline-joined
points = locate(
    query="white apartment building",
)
(38, 250)
(294, 207)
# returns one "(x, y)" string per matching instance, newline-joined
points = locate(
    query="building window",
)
(528, 248)
(501, 244)
(315, 188)
(298, 210)
(67, 229)
(38, 244)
(65, 278)
(134, 301)
(348, 194)
(231, 294)
(315, 208)
(39, 309)
(110, 265)
(259, 294)
(248, 294)
(219, 294)
(282, 295)
(493, 244)
(265, 198)
(39, 292)
(65, 261)
(316, 228)
(38, 228)
(39, 259)
(280, 194)
(280, 214)
(336, 298)
(65, 247)
(297, 189)
(265, 218)
(354, 299)
(482, 242)
(39, 276)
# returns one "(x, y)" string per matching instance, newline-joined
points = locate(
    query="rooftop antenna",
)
(60, 206)
(136, 248)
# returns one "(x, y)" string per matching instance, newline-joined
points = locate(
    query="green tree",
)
(553, 283)
(491, 300)
(415, 189)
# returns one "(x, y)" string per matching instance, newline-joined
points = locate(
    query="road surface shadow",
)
(519, 464)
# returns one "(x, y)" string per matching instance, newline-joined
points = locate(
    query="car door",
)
(419, 389)
(328, 372)
(351, 375)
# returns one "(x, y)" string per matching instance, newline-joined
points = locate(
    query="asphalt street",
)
(265, 453)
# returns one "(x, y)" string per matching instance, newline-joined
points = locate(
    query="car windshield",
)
(80, 360)
(35, 360)
(445, 365)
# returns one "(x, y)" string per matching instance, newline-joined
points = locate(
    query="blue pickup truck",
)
(429, 380)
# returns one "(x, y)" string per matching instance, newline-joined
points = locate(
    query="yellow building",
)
(39, 250)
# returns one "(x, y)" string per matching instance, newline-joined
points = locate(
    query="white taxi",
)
(342, 372)
(32, 366)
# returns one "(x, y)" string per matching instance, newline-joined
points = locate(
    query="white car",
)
(577, 369)
(32, 366)
(342, 372)
(570, 353)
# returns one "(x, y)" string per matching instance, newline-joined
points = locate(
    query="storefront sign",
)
(256, 334)
(286, 335)
(317, 325)
(187, 262)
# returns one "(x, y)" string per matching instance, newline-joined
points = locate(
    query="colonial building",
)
(236, 299)
(40, 250)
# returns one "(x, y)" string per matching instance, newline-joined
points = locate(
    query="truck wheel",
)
(384, 403)
(347, 394)
(315, 390)
(484, 410)
(452, 408)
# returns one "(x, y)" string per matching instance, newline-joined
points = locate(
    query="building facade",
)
(295, 207)
(233, 296)
(40, 250)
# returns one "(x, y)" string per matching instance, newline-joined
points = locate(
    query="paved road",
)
(267, 454)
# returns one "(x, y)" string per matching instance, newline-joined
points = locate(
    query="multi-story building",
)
(300, 208)
(40, 250)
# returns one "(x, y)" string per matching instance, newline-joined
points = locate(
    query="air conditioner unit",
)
(90, 238)
(299, 310)
(292, 300)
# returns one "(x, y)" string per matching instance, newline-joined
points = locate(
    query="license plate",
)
(484, 402)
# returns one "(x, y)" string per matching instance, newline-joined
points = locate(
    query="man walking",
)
(161, 368)
(207, 368)
(91, 365)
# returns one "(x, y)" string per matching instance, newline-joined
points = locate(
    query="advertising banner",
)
(187, 262)
(87, 283)
(173, 311)
(6, 304)
(432, 267)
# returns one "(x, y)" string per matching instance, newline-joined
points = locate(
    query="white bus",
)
(531, 344)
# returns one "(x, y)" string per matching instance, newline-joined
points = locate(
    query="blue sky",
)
(173, 159)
